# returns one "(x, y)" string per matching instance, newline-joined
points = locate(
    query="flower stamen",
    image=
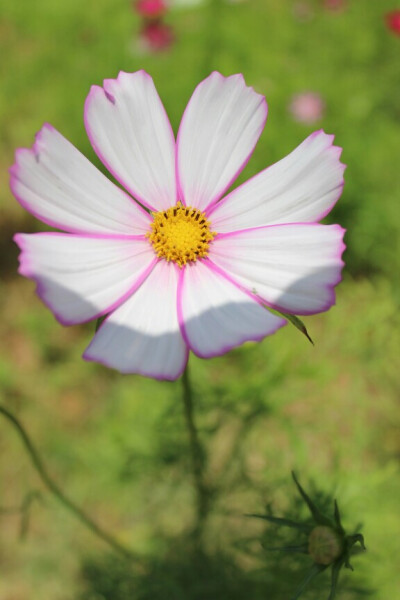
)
(181, 234)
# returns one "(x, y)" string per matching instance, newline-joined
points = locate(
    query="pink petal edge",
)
(26, 270)
(330, 288)
(154, 375)
(222, 273)
(332, 149)
(14, 177)
(95, 89)
(88, 358)
(242, 166)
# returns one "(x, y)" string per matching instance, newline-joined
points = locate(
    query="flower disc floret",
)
(325, 545)
(181, 234)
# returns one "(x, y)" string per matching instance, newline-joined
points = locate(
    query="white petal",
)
(216, 315)
(292, 268)
(58, 185)
(142, 336)
(81, 278)
(130, 132)
(301, 188)
(219, 130)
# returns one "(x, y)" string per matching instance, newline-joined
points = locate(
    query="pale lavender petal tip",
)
(26, 270)
(112, 91)
(330, 287)
(335, 152)
(180, 170)
(160, 377)
(279, 322)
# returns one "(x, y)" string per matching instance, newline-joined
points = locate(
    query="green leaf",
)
(301, 549)
(317, 515)
(353, 539)
(284, 522)
(335, 577)
(347, 562)
(99, 322)
(315, 570)
(298, 323)
(337, 518)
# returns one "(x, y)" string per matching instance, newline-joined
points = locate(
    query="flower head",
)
(173, 263)
(327, 543)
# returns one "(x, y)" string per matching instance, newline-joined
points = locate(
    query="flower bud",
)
(325, 545)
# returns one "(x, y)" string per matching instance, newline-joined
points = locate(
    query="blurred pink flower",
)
(307, 107)
(393, 21)
(156, 36)
(151, 9)
(303, 11)
(335, 5)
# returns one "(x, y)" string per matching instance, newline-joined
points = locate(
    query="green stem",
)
(197, 457)
(57, 492)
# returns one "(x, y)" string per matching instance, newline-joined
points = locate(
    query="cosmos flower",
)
(155, 36)
(307, 107)
(174, 264)
(393, 21)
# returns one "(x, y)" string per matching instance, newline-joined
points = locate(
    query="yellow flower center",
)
(181, 234)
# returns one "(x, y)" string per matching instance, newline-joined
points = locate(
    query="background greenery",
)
(118, 444)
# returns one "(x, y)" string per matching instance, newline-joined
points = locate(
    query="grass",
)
(118, 444)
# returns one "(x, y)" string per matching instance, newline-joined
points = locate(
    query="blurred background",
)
(118, 444)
